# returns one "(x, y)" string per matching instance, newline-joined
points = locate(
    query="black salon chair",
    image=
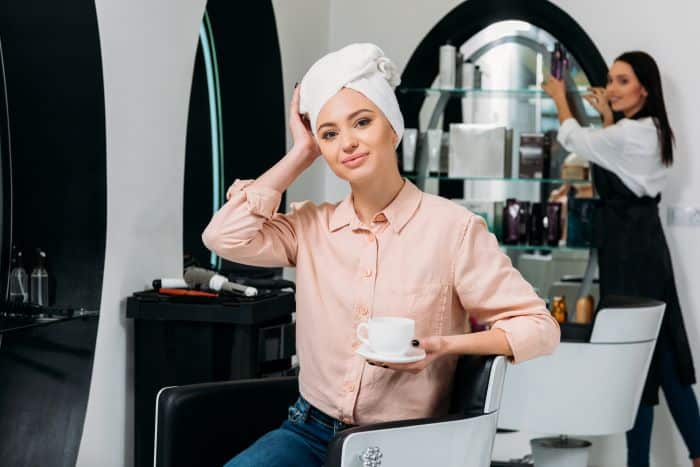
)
(207, 424)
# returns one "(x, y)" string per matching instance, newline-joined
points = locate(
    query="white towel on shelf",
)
(362, 67)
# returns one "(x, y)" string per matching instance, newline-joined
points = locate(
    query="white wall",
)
(148, 51)
(147, 69)
(302, 28)
(661, 28)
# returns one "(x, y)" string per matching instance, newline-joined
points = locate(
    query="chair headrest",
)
(623, 320)
(624, 301)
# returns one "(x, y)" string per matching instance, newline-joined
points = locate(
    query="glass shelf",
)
(525, 92)
(543, 247)
(497, 179)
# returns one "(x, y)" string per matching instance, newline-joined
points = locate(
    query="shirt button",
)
(367, 273)
(362, 310)
(349, 387)
(370, 237)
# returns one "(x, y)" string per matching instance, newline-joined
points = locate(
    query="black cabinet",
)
(179, 343)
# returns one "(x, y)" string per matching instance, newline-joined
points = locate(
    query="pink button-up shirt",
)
(423, 257)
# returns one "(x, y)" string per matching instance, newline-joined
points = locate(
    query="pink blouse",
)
(423, 257)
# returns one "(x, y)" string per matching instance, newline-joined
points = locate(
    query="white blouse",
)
(630, 149)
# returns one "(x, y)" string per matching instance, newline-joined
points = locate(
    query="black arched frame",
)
(472, 16)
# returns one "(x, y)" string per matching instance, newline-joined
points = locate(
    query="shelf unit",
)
(422, 174)
(461, 92)
(558, 181)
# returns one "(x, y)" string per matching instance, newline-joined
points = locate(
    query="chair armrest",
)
(465, 437)
(452, 440)
(207, 424)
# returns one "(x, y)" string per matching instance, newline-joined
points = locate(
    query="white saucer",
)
(413, 355)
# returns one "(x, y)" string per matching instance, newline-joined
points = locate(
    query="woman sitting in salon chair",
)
(632, 157)
(386, 250)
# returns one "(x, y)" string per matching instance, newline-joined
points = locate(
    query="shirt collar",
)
(397, 213)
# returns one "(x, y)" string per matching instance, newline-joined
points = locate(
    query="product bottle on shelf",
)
(537, 216)
(459, 69)
(448, 65)
(477, 77)
(554, 227)
(524, 226)
(19, 282)
(467, 76)
(560, 61)
(556, 61)
(511, 222)
(559, 309)
(584, 309)
(40, 281)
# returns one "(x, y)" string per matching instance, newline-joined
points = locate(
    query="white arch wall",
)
(148, 50)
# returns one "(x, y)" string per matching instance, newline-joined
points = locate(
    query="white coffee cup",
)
(388, 335)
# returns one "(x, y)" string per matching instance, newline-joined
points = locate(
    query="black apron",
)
(634, 260)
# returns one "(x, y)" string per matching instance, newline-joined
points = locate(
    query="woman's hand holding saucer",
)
(434, 348)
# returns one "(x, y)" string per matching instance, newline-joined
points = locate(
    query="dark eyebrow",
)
(350, 117)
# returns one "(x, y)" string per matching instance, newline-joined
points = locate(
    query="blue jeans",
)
(684, 410)
(302, 440)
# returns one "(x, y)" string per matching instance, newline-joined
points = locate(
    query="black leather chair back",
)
(471, 384)
(206, 424)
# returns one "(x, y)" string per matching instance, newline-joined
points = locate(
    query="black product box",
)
(579, 221)
(534, 156)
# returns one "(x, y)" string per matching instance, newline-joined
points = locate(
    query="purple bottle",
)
(511, 222)
(524, 223)
(536, 224)
(559, 61)
(556, 61)
(553, 223)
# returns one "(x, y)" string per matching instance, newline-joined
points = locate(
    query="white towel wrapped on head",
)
(362, 67)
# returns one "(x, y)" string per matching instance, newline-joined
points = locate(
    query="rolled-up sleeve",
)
(249, 230)
(602, 146)
(491, 290)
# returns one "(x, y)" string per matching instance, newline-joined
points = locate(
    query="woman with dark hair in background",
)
(632, 156)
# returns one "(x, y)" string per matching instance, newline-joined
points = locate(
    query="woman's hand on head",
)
(598, 98)
(555, 88)
(434, 346)
(304, 140)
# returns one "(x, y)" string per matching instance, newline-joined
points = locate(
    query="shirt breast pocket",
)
(426, 305)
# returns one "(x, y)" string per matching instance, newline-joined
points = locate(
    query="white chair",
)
(584, 388)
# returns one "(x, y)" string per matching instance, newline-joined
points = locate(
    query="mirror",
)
(507, 62)
(5, 185)
(55, 123)
(236, 126)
